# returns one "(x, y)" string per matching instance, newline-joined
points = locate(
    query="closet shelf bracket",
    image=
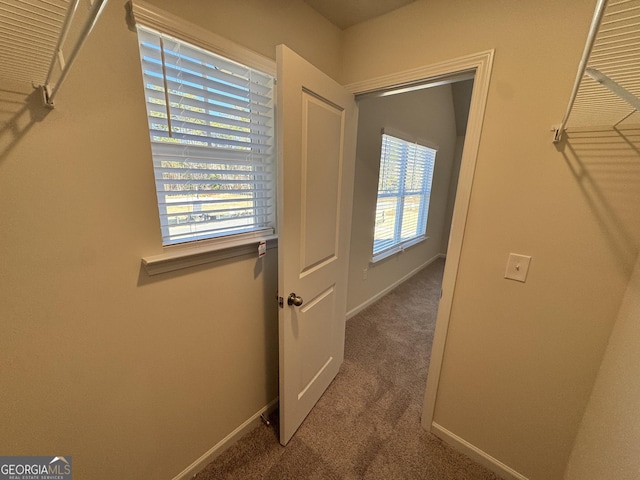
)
(614, 87)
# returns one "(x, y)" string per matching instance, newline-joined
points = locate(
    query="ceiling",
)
(345, 13)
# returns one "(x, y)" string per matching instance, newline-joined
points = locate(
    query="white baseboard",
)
(353, 312)
(476, 454)
(226, 442)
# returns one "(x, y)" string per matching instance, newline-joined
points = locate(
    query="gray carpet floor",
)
(367, 424)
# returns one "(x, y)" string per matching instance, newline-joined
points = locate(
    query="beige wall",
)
(453, 189)
(426, 114)
(607, 442)
(520, 359)
(133, 376)
(461, 92)
(137, 377)
(260, 25)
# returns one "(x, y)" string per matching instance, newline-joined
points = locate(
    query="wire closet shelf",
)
(40, 40)
(607, 86)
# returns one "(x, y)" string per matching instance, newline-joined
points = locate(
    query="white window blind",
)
(211, 124)
(404, 189)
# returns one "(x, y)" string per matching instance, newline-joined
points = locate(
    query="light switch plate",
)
(517, 267)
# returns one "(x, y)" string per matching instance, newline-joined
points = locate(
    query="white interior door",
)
(317, 121)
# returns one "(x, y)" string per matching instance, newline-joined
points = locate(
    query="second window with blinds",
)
(404, 190)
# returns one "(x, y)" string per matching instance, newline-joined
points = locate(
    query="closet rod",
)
(591, 38)
(96, 9)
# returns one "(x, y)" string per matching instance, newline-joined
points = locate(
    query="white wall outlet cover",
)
(517, 267)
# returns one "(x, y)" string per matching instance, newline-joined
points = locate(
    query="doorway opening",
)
(403, 201)
(478, 68)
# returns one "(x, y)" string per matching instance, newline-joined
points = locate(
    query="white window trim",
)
(144, 14)
(178, 257)
(400, 248)
(175, 257)
(408, 138)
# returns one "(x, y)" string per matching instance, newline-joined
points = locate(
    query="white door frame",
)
(480, 64)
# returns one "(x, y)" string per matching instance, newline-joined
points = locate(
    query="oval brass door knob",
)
(294, 300)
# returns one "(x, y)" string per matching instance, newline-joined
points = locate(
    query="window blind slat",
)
(218, 184)
(265, 203)
(205, 110)
(208, 101)
(212, 221)
(180, 123)
(203, 97)
(181, 139)
(180, 76)
(213, 154)
(150, 38)
(180, 71)
(207, 60)
(210, 163)
(190, 60)
(247, 175)
(161, 186)
(193, 231)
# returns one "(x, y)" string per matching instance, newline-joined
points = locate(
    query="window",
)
(211, 125)
(404, 188)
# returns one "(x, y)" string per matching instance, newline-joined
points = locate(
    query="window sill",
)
(177, 258)
(396, 249)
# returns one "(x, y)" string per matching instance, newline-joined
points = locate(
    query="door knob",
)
(294, 300)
